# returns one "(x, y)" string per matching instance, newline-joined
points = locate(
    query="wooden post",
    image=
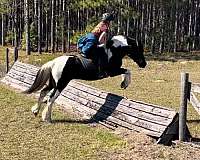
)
(7, 60)
(183, 106)
(15, 54)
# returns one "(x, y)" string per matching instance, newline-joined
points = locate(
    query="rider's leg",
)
(102, 64)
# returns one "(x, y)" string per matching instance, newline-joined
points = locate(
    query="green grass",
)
(22, 136)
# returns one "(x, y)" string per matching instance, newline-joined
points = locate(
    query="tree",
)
(27, 26)
(53, 26)
(39, 25)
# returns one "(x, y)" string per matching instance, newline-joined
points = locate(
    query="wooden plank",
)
(22, 77)
(32, 69)
(121, 108)
(90, 112)
(195, 102)
(195, 87)
(25, 65)
(15, 83)
(24, 70)
(153, 109)
(121, 116)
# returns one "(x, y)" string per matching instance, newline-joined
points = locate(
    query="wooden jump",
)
(108, 109)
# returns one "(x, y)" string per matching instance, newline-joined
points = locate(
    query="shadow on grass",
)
(193, 121)
(196, 140)
(70, 121)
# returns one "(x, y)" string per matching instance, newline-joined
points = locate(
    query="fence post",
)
(183, 106)
(7, 60)
(15, 54)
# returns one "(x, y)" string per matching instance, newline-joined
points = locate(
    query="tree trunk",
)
(16, 23)
(189, 28)
(27, 26)
(153, 29)
(162, 31)
(39, 26)
(53, 27)
(3, 30)
(63, 27)
(68, 30)
(47, 25)
(175, 27)
(128, 21)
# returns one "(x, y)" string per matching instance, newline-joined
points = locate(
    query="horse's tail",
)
(41, 78)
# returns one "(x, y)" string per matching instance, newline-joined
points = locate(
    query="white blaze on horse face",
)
(119, 41)
(57, 67)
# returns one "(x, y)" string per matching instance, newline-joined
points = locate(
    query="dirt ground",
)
(142, 147)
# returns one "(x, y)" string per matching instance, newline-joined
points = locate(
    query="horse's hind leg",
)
(46, 114)
(36, 108)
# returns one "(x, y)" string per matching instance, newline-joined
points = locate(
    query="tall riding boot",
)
(102, 65)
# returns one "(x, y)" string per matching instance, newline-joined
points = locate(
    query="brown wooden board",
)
(195, 102)
(195, 87)
(99, 106)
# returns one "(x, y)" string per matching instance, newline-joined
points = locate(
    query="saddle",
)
(87, 63)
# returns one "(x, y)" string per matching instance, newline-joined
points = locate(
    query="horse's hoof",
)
(123, 85)
(35, 114)
(45, 101)
(47, 121)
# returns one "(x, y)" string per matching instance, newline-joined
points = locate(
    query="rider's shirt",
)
(100, 28)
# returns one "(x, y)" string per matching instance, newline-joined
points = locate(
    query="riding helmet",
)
(107, 17)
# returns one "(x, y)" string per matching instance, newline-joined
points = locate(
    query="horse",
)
(54, 75)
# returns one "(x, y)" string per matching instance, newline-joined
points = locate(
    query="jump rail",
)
(108, 109)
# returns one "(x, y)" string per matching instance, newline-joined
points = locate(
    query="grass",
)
(22, 136)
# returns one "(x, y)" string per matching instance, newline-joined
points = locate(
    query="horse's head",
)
(132, 48)
(135, 51)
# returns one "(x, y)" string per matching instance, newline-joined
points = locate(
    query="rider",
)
(96, 38)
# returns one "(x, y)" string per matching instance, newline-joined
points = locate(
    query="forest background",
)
(55, 25)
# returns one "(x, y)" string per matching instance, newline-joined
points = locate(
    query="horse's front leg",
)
(126, 76)
(126, 79)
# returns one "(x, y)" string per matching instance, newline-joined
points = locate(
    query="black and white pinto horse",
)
(56, 74)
